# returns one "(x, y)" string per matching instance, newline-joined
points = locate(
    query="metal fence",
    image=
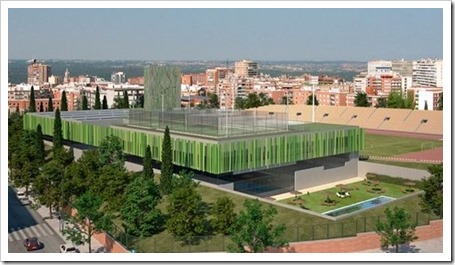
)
(220, 243)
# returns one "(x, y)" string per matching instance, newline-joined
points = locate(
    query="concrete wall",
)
(393, 171)
(318, 176)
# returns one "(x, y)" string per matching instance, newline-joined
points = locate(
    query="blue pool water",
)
(359, 206)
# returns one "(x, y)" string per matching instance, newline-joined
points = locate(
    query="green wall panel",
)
(216, 157)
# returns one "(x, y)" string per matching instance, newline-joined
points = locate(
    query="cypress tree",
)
(126, 101)
(148, 164)
(41, 108)
(64, 103)
(40, 143)
(166, 163)
(84, 102)
(97, 99)
(105, 102)
(58, 135)
(50, 105)
(32, 107)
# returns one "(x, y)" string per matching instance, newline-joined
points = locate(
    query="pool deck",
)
(317, 188)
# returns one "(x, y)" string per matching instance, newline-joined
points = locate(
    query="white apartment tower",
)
(379, 67)
(246, 68)
(427, 73)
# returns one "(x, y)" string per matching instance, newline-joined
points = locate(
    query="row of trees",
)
(101, 189)
(394, 100)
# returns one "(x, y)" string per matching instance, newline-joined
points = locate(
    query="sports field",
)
(387, 145)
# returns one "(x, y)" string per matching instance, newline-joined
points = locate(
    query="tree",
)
(186, 210)
(41, 107)
(395, 100)
(265, 100)
(32, 107)
(239, 103)
(50, 105)
(361, 100)
(253, 230)
(440, 107)
(223, 215)
(84, 102)
(88, 220)
(105, 102)
(432, 186)
(382, 103)
(111, 151)
(47, 185)
(148, 163)
(396, 229)
(58, 134)
(126, 101)
(15, 132)
(166, 164)
(97, 99)
(214, 103)
(309, 101)
(139, 213)
(40, 144)
(410, 101)
(426, 105)
(64, 103)
(252, 101)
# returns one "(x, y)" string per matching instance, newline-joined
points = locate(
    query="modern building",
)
(427, 73)
(379, 67)
(402, 67)
(246, 68)
(256, 152)
(38, 73)
(118, 78)
(426, 98)
(161, 87)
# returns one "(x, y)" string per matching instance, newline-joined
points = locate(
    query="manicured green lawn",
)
(358, 192)
(386, 145)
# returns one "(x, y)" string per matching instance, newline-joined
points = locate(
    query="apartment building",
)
(38, 73)
(118, 78)
(427, 73)
(402, 67)
(383, 84)
(246, 68)
(379, 67)
(426, 96)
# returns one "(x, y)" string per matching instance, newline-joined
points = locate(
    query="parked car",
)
(21, 195)
(68, 248)
(32, 243)
(24, 201)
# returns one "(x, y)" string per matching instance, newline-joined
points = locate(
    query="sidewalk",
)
(54, 223)
(423, 246)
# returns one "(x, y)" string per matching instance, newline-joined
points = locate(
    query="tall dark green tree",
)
(97, 99)
(139, 213)
(426, 105)
(50, 105)
(32, 107)
(84, 102)
(148, 163)
(440, 104)
(126, 101)
(58, 134)
(40, 143)
(252, 101)
(64, 102)
(47, 185)
(111, 151)
(361, 100)
(309, 100)
(187, 216)
(382, 103)
(214, 103)
(167, 175)
(432, 186)
(105, 102)
(89, 220)
(41, 107)
(240, 103)
(254, 230)
(397, 229)
(223, 214)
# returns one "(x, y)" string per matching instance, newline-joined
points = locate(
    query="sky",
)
(320, 34)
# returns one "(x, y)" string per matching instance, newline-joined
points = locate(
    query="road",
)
(25, 222)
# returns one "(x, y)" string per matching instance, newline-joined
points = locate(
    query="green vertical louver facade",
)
(217, 156)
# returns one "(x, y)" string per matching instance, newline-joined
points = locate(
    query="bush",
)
(392, 180)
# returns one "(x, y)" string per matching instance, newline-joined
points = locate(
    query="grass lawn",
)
(358, 191)
(386, 145)
(421, 166)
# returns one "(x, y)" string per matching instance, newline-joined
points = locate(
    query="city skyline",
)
(313, 34)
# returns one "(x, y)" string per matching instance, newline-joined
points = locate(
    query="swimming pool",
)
(359, 206)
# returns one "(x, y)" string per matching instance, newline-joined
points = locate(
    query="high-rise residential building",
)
(402, 67)
(37, 73)
(379, 67)
(118, 78)
(427, 72)
(383, 84)
(66, 78)
(161, 87)
(426, 98)
(246, 68)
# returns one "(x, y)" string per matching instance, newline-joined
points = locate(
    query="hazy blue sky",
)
(220, 34)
